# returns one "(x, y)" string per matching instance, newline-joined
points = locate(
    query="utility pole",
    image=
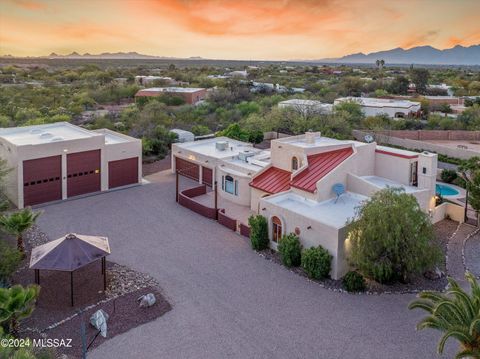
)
(176, 186)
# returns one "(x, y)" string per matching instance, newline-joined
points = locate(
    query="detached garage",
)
(59, 161)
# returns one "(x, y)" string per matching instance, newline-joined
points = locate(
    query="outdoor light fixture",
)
(309, 227)
(263, 209)
(65, 150)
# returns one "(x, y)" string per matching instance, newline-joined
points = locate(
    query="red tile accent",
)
(395, 154)
(319, 165)
(273, 180)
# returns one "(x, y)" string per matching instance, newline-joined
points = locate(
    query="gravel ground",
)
(228, 301)
(54, 317)
(472, 254)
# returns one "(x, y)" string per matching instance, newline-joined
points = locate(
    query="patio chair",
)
(339, 189)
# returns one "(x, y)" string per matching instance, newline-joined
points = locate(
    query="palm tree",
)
(17, 303)
(455, 313)
(17, 223)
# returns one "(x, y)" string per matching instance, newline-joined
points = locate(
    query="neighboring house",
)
(444, 87)
(230, 162)
(265, 86)
(58, 161)
(149, 80)
(306, 107)
(242, 74)
(292, 184)
(380, 106)
(190, 95)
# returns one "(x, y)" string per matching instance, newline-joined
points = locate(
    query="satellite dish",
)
(369, 138)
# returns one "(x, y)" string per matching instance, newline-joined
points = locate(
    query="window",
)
(294, 163)
(229, 185)
(276, 229)
(424, 170)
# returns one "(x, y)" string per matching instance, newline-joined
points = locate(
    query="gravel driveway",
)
(228, 302)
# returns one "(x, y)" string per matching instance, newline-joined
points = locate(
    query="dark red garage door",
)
(83, 172)
(207, 175)
(187, 168)
(122, 172)
(42, 180)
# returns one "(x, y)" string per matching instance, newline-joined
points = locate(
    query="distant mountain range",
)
(428, 55)
(104, 55)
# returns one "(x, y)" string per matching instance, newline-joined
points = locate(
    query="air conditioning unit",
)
(221, 145)
(243, 155)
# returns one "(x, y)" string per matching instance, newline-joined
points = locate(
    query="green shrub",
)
(10, 259)
(316, 262)
(354, 282)
(290, 250)
(460, 182)
(449, 176)
(258, 232)
(392, 238)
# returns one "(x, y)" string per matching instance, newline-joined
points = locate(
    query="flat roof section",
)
(208, 147)
(382, 183)
(172, 89)
(327, 212)
(41, 134)
(396, 152)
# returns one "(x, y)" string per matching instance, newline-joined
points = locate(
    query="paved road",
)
(228, 302)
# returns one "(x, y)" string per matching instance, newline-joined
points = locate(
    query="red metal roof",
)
(383, 152)
(319, 165)
(273, 180)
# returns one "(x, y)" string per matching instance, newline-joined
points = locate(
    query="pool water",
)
(446, 190)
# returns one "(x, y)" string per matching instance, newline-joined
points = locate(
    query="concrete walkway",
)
(228, 302)
(455, 253)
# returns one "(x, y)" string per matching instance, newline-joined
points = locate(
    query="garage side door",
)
(187, 168)
(122, 172)
(207, 176)
(83, 173)
(42, 180)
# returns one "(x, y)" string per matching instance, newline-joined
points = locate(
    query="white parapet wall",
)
(450, 210)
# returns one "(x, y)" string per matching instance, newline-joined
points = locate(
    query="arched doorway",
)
(276, 229)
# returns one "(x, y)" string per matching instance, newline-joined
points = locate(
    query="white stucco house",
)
(306, 107)
(380, 106)
(292, 185)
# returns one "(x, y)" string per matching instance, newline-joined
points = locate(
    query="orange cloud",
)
(242, 17)
(30, 4)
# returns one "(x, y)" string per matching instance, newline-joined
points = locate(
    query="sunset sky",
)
(234, 29)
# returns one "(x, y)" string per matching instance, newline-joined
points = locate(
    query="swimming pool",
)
(446, 190)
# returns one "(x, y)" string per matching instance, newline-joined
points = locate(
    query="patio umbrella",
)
(69, 253)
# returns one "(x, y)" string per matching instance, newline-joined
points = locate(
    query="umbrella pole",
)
(104, 270)
(71, 287)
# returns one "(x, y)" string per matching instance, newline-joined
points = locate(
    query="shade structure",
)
(69, 253)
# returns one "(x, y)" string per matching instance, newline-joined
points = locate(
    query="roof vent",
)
(310, 137)
(46, 135)
(244, 155)
(35, 130)
(221, 145)
(57, 138)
